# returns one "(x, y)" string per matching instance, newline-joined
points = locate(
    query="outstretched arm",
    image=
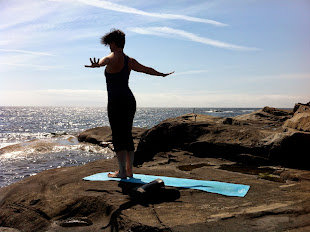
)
(136, 66)
(98, 63)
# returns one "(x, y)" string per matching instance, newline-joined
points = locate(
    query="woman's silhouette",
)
(121, 101)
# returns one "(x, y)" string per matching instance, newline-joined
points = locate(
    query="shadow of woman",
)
(154, 197)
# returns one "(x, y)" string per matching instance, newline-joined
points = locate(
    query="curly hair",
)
(116, 36)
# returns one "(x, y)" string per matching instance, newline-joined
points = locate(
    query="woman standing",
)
(121, 101)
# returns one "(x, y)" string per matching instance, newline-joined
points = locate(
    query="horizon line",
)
(179, 107)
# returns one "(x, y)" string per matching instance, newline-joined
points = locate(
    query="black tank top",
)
(117, 83)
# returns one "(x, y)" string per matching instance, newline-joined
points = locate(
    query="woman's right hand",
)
(94, 64)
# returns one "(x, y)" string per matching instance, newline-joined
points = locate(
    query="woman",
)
(121, 101)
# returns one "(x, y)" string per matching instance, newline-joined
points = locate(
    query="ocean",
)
(34, 139)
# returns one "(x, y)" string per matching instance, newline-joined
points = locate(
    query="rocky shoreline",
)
(266, 149)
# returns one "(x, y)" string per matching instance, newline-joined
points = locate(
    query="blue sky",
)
(249, 53)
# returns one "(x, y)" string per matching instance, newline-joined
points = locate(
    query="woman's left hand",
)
(167, 74)
(94, 64)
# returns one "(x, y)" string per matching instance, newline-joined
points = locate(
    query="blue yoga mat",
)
(223, 188)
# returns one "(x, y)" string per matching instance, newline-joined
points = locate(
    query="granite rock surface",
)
(254, 149)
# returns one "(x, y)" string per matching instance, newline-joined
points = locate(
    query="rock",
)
(96, 135)
(291, 150)
(269, 113)
(301, 119)
(169, 134)
(200, 147)
(301, 108)
(103, 135)
(277, 112)
(253, 138)
(66, 200)
(7, 229)
(228, 121)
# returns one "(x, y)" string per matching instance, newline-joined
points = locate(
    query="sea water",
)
(34, 139)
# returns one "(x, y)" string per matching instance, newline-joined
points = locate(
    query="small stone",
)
(34, 201)
(72, 222)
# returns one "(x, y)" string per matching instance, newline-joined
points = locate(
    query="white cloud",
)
(15, 59)
(189, 72)
(25, 25)
(125, 9)
(280, 77)
(53, 97)
(25, 51)
(4, 42)
(232, 100)
(18, 12)
(84, 97)
(73, 92)
(176, 33)
(33, 66)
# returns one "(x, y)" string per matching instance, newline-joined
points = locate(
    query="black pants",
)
(121, 111)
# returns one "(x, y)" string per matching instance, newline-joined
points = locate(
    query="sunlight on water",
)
(34, 139)
(25, 159)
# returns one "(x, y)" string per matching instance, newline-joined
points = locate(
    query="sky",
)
(241, 53)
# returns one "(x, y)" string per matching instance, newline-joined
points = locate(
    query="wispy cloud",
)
(27, 52)
(33, 66)
(130, 10)
(73, 92)
(167, 31)
(242, 100)
(51, 97)
(189, 72)
(15, 13)
(16, 58)
(97, 97)
(4, 42)
(282, 76)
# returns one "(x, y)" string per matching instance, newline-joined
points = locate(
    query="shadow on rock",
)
(156, 196)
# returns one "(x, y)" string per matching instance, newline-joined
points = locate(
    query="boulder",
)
(256, 138)
(301, 108)
(103, 135)
(96, 135)
(301, 119)
(277, 112)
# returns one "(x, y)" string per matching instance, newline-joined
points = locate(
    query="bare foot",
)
(116, 175)
(129, 171)
(129, 174)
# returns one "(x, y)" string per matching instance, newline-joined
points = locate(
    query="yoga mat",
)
(227, 189)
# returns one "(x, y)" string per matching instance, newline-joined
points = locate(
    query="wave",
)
(213, 111)
(18, 137)
(25, 159)
(247, 110)
(2, 145)
(51, 145)
(219, 111)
